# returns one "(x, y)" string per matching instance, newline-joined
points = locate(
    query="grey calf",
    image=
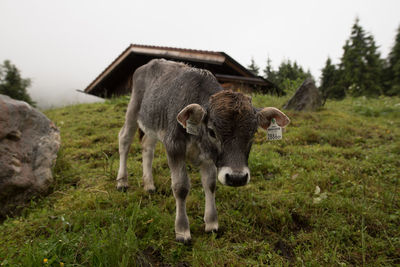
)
(189, 112)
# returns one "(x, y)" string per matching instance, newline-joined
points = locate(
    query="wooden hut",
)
(116, 78)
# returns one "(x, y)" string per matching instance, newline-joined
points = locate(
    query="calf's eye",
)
(211, 133)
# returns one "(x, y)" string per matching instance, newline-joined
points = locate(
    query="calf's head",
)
(225, 128)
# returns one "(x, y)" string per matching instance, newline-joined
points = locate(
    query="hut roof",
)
(224, 67)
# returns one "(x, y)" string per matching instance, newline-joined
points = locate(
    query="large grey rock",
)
(307, 97)
(29, 143)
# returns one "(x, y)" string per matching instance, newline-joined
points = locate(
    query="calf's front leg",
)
(180, 188)
(208, 173)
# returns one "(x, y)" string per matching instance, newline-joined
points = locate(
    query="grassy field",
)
(326, 195)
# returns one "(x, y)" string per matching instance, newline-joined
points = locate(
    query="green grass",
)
(350, 149)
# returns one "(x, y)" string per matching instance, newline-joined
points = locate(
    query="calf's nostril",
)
(236, 179)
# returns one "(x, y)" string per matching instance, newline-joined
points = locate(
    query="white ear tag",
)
(274, 131)
(192, 128)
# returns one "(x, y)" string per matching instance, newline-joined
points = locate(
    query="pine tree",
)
(253, 67)
(291, 75)
(12, 84)
(269, 73)
(288, 76)
(330, 82)
(374, 82)
(393, 68)
(292, 71)
(361, 66)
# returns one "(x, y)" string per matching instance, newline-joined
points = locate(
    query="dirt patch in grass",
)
(284, 249)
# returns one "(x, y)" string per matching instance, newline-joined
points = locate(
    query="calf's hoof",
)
(184, 238)
(150, 189)
(122, 184)
(122, 188)
(213, 231)
(211, 227)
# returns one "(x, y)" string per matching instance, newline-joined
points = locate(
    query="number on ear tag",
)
(274, 131)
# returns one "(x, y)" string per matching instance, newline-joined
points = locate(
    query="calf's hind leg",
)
(148, 145)
(125, 140)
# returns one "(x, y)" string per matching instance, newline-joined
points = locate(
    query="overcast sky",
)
(63, 45)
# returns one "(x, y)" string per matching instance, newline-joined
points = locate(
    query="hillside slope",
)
(327, 194)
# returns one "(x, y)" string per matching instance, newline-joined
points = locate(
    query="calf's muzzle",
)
(237, 177)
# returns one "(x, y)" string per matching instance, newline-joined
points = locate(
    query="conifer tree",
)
(288, 76)
(361, 67)
(330, 82)
(291, 74)
(12, 84)
(269, 72)
(253, 67)
(393, 68)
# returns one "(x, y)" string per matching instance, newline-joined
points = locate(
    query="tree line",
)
(289, 75)
(360, 72)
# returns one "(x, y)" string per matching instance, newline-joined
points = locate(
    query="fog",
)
(52, 98)
(63, 45)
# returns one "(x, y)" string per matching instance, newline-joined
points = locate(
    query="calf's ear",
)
(265, 115)
(191, 117)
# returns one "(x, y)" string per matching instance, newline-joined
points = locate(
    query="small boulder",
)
(29, 143)
(307, 97)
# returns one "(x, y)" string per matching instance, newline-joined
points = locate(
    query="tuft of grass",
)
(349, 150)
